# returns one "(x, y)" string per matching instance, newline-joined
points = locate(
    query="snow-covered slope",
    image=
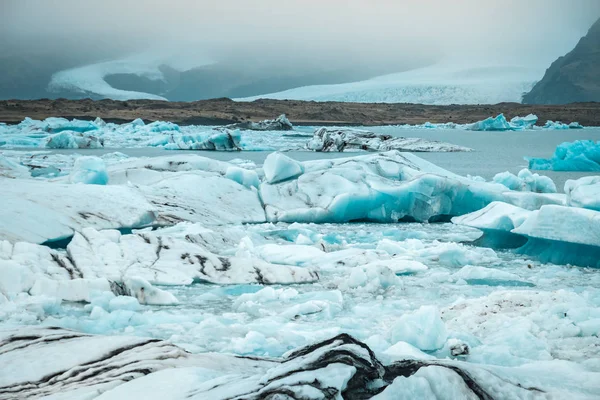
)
(89, 79)
(438, 84)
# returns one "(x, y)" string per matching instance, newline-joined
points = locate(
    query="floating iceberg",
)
(219, 140)
(74, 140)
(499, 123)
(525, 181)
(552, 125)
(524, 122)
(281, 123)
(385, 187)
(556, 234)
(580, 155)
(328, 139)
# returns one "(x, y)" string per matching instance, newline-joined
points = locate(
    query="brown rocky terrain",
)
(225, 111)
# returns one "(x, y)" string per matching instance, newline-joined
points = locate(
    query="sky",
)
(533, 31)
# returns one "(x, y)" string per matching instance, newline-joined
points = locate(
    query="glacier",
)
(342, 277)
(440, 84)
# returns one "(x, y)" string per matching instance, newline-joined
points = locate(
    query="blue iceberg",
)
(580, 155)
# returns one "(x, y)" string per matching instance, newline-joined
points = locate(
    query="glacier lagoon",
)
(421, 291)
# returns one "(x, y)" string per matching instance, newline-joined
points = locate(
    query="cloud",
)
(303, 32)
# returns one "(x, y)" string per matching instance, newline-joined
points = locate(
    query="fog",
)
(273, 45)
(266, 31)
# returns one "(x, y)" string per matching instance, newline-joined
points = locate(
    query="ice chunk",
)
(74, 140)
(550, 223)
(399, 266)
(524, 122)
(328, 139)
(525, 181)
(122, 303)
(11, 169)
(163, 258)
(218, 140)
(492, 124)
(281, 123)
(54, 211)
(556, 234)
(385, 187)
(145, 293)
(552, 125)
(423, 329)
(14, 278)
(56, 125)
(370, 278)
(580, 155)
(489, 276)
(243, 176)
(584, 192)
(90, 170)
(279, 167)
(495, 216)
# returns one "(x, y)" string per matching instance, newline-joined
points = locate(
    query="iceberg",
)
(74, 140)
(278, 167)
(556, 234)
(525, 181)
(527, 122)
(580, 155)
(499, 123)
(387, 187)
(552, 125)
(281, 123)
(583, 192)
(218, 140)
(423, 329)
(343, 139)
(90, 170)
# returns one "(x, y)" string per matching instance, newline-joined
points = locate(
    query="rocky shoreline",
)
(226, 111)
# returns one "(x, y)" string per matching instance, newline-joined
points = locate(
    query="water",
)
(494, 152)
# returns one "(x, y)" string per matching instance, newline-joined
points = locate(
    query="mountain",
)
(574, 77)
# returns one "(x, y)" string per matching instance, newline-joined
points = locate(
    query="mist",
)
(366, 37)
(319, 31)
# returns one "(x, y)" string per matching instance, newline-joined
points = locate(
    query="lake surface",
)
(494, 152)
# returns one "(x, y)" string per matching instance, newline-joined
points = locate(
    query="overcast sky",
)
(322, 31)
